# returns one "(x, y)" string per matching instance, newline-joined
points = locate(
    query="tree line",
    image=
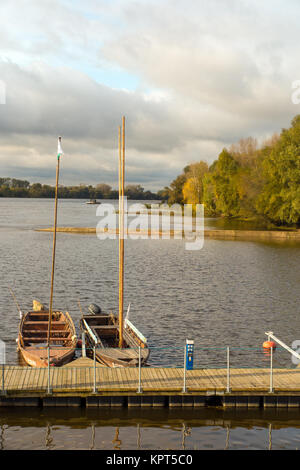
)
(11, 187)
(247, 181)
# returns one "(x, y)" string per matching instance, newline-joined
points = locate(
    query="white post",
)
(140, 372)
(83, 350)
(95, 390)
(49, 387)
(271, 372)
(228, 371)
(184, 371)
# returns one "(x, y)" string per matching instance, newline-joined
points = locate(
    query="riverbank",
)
(243, 235)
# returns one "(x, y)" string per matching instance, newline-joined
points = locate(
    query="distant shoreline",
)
(243, 235)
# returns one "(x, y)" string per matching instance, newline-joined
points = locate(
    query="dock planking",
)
(76, 380)
(78, 377)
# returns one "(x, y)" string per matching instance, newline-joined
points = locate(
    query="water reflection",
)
(270, 436)
(48, 440)
(138, 444)
(227, 437)
(141, 429)
(186, 431)
(93, 438)
(233, 224)
(116, 441)
(2, 437)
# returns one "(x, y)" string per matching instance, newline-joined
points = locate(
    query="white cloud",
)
(209, 73)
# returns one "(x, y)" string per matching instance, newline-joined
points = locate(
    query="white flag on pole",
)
(59, 149)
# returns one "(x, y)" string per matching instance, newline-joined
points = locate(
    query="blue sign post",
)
(189, 354)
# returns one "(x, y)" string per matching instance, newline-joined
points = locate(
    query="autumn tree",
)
(192, 189)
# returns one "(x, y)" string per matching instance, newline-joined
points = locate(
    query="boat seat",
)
(100, 315)
(106, 327)
(105, 330)
(33, 340)
(43, 322)
(97, 320)
(39, 314)
(45, 331)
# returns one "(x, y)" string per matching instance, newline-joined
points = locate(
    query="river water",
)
(228, 293)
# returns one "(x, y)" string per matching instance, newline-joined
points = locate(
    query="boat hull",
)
(32, 339)
(101, 332)
(107, 358)
(34, 359)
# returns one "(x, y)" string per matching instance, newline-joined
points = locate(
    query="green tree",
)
(103, 191)
(224, 179)
(176, 195)
(279, 200)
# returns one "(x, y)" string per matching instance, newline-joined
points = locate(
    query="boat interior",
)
(35, 329)
(106, 329)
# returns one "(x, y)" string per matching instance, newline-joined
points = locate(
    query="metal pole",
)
(83, 349)
(95, 390)
(184, 371)
(49, 388)
(271, 372)
(140, 372)
(74, 371)
(228, 371)
(54, 248)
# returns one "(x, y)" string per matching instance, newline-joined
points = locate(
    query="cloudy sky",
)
(190, 77)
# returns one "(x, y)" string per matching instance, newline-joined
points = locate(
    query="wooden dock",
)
(81, 384)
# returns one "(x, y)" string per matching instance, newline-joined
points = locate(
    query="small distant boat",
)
(33, 336)
(93, 201)
(102, 330)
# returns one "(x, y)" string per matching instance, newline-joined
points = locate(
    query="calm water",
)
(168, 430)
(227, 294)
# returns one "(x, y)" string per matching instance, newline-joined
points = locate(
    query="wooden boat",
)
(51, 333)
(102, 330)
(32, 338)
(117, 343)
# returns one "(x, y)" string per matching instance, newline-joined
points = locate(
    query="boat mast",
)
(121, 228)
(54, 241)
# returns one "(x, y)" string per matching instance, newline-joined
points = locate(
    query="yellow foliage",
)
(193, 187)
(190, 191)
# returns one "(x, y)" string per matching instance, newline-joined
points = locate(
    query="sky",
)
(190, 78)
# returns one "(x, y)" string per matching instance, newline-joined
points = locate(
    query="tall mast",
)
(121, 228)
(59, 152)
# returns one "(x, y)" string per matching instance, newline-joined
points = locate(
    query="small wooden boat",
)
(117, 343)
(32, 338)
(102, 330)
(47, 333)
(93, 201)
